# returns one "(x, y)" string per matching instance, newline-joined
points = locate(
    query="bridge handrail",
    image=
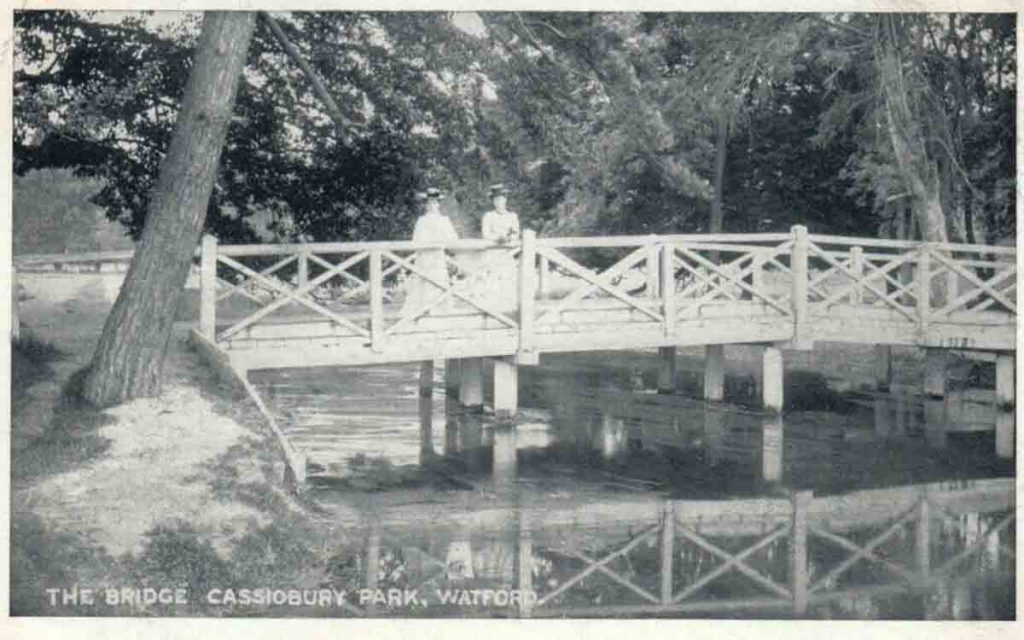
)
(910, 244)
(796, 275)
(634, 240)
(247, 250)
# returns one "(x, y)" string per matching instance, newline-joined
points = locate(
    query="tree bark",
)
(917, 168)
(128, 361)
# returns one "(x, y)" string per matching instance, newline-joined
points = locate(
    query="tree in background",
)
(930, 102)
(128, 361)
(604, 123)
(101, 98)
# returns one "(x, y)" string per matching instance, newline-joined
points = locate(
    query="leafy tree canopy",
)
(604, 123)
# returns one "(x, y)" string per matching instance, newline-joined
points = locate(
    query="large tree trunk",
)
(917, 168)
(129, 357)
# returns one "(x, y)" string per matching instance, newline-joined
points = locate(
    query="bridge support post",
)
(506, 388)
(426, 378)
(771, 379)
(798, 575)
(935, 372)
(1005, 393)
(544, 277)
(666, 370)
(883, 367)
(208, 288)
(303, 268)
(798, 267)
(714, 372)
(857, 269)
(471, 388)
(426, 430)
(451, 376)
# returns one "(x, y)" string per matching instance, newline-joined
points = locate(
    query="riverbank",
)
(180, 490)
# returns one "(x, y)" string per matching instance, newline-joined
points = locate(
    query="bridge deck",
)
(579, 294)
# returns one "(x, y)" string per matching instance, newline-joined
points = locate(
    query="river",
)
(594, 457)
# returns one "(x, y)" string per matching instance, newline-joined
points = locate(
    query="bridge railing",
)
(661, 280)
(914, 282)
(376, 292)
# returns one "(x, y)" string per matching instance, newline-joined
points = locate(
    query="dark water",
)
(594, 452)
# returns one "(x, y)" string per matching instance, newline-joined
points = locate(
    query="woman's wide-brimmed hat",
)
(497, 190)
(432, 193)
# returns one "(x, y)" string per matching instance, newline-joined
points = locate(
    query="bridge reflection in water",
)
(612, 501)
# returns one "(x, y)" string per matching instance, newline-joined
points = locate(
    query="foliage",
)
(953, 76)
(101, 98)
(611, 123)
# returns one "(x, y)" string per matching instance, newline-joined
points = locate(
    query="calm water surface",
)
(594, 452)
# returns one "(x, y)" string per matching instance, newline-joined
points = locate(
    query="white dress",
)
(434, 228)
(499, 276)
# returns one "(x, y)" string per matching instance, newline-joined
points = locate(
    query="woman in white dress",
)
(499, 273)
(431, 227)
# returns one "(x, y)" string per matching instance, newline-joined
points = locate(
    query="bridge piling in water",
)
(883, 367)
(935, 372)
(471, 384)
(714, 372)
(506, 388)
(1005, 391)
(771, 378)
(666, 370)
(426, 378)
(451, 377)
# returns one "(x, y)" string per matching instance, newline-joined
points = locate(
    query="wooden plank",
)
(377, 335)
(818, 238)
(528, 290)
(923, 287)
(668, 288)
(857, 269)
(243, 250)
(625, 241)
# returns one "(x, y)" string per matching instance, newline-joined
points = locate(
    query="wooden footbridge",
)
(606, 293)
(342, 304)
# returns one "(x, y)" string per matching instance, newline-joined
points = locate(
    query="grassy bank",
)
(181, 491)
